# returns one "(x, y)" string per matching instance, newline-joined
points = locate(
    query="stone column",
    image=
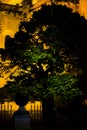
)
(21, 119)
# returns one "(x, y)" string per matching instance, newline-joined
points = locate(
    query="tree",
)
(53, 36)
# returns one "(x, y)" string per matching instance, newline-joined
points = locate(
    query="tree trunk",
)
(48, 113)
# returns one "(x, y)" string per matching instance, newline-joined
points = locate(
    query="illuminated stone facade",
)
(10, 17)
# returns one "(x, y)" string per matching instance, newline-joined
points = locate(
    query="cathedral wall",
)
(8, 25)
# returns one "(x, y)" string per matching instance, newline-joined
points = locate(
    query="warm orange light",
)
(11, 1)
(12, 106)
(83, 8)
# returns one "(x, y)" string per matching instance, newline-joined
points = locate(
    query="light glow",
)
(12, 1)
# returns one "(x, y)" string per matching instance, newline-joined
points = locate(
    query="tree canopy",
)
(53, 38)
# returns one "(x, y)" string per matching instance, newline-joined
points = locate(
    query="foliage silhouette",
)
(61, 40)
(55, 36)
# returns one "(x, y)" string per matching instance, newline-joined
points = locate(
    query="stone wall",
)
(9, 22)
